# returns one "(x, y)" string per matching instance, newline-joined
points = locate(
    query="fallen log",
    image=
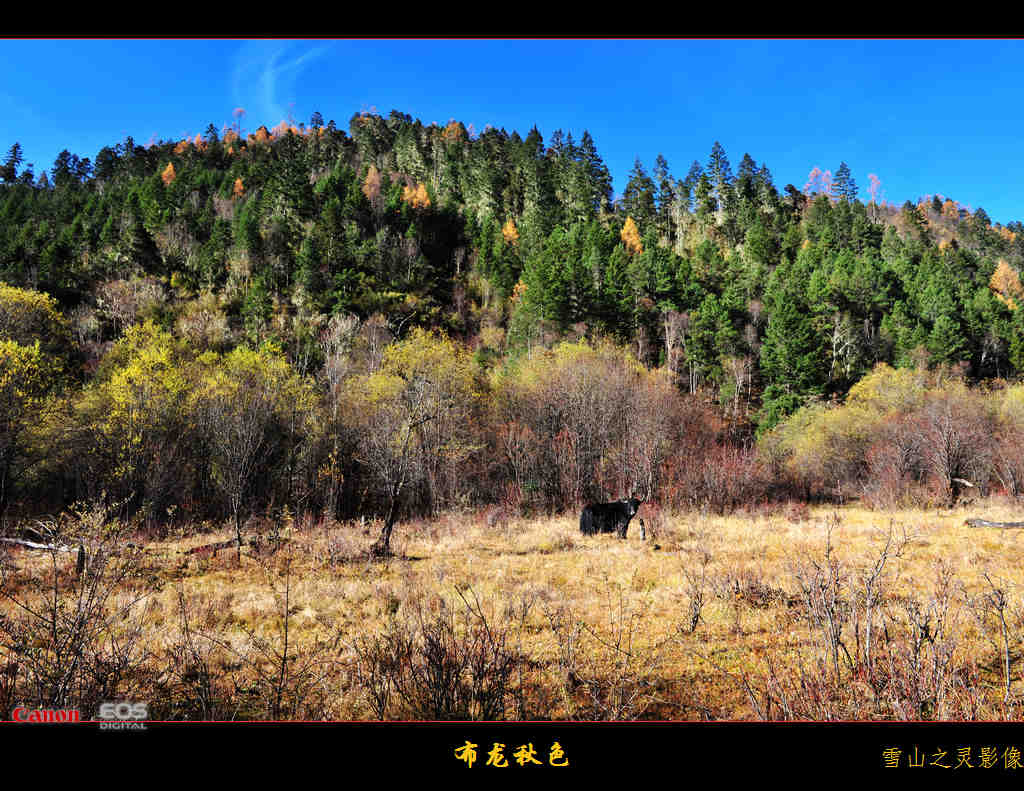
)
(986, 523)
(33, 545)
(213, 548)
(80, 549)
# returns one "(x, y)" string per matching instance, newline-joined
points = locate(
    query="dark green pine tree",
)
(1016, 340)
(720, 174)
(843, 185)
(666, 194)
(746, 179)
(688, 186)
(9, 170)
(704, 198)
(792, 359)
(638, 197)
(597, 172)
(616, 296)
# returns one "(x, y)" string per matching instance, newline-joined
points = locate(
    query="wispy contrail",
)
(264, 76)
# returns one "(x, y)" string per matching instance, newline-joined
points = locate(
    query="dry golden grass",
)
(606, 624)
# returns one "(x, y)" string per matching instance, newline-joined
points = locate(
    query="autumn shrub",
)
(1008, 452)
(129, 434)
(441, 663)
(721, 480)
(957, 428)
(28, 316)
(896, 473)
(74, 628)
(607, 669)
(123, 302)
(586, 422)
(903, 436)
(203, 324)
(879, 655)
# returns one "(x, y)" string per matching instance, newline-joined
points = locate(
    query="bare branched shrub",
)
(911, 670)
(199, 674)
(441, 665)
(125, 301)
(921, 678)
(957, 430)
(896, 467)
(822, 585)
(873, 578)
(696, 589)
(1008, 462)
(996, 611)
(213, 671)
(726, 478)
(204, 324)
(606, 674)
(74, 629)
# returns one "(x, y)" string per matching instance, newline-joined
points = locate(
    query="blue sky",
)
(925, 116)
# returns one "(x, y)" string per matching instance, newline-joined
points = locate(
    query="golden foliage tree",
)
(168, 175)
(130, 421)
(26, 377)
(1005, 282)
(29, 317)
(371, 185)
(510, 232)
(239, 189)
(453, 132)
(417, 196)
(631, 236)
(412, 417)
(251, 405)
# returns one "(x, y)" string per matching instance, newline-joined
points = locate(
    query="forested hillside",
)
(321, 319)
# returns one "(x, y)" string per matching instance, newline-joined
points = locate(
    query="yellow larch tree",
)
(417, 196)
(631, 236)
(510, 232)
(1005, 282)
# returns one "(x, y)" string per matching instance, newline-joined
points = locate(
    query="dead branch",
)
(986, 523)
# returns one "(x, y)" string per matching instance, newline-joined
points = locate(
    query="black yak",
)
(608, 517)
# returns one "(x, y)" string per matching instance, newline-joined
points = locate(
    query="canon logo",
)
(21, 714)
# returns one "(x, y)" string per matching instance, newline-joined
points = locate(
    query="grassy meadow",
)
(792, 613)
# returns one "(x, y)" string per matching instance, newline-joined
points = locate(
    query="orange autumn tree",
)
(453, 132)
(631, 236)
(168, 175)
(239, 189)
(1005, 282)
(416, 197)
(510, 232)
(371, 185)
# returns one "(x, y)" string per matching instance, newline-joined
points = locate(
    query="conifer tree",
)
(843, 184)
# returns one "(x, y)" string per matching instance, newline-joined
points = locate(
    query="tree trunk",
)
(382, 547)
